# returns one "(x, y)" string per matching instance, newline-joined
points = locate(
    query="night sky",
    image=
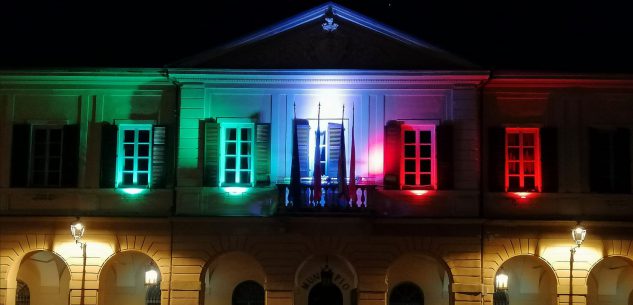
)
(570, 36)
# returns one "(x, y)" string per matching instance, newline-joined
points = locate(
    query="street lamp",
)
(578, 234)
(151, 275)
(501, 281)
(77, 230)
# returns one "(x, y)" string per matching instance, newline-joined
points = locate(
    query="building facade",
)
(204, 173)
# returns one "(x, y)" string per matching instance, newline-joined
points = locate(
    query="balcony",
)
(330, 202)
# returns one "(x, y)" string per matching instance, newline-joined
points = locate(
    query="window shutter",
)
(159, 156)
(70, 155)
(303, 139)
(622, 158)
(20, 154)
(444, 136)
(211, 154)
(334, 148)
(108, 155)
(496, 159)
(599, 160)
(549, 159)
(262, 154)
(393, 153)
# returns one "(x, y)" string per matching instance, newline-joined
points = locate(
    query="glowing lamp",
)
(235, 191)
(501, 281)
(578, 234)
(419, 192)
(522, 195)
(132, 190)
(77, 230)
(151, 275)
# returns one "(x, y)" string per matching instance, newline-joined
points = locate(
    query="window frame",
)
(417, 128)
(120, 162)
(521, 161)
(223, 155)
(47, 157)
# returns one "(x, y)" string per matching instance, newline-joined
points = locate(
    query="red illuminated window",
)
(418, 165)
(523, 160)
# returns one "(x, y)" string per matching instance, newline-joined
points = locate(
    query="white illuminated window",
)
(236, 154)
(134, 155)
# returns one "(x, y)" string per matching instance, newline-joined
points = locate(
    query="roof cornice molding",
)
(328, 77)
(86, 77)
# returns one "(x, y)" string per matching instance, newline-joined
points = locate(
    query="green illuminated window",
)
(134, 155)
(236, 154)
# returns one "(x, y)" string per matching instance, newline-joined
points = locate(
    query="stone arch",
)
(610, 281)
(431, 274)
(308, 275)
(40, 265)
(531, 280)
(121, 278)
(221, 275)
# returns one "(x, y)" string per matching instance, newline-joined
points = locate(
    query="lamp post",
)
(77, 230)
(578, 234)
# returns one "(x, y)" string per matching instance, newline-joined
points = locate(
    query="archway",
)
(323, 278)
(233, 277)
(530, 281)
(610, 282)
(122, 280)
(42, 278)
(406, 294)
(422, 272)
(325, 294)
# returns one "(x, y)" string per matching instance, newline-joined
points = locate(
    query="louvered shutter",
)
(496, 159)
(159, 156)
(108, 155)
(303, 139)
(334, 148)
(70, 155)
(393, 154)
(444, 136)
(20, 154)
(599, 160)
(549, 159)
(262, 154)
(211, 154)
(622, 159)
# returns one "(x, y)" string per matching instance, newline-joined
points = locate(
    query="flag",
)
(352, 166)
(343, 192)
(295, 174)
(316, 179)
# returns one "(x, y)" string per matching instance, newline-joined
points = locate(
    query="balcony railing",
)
(330, 200)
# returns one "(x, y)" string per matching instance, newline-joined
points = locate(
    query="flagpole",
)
(352, 165)
(343, 192)
(316, 178)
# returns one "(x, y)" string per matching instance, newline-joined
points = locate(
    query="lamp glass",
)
(77, 230)
(578, 234)
(501, 281)
(151, 276)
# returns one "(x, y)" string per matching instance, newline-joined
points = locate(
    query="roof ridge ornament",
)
(329, 25)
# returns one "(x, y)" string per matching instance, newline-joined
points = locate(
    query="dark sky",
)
(573, 36)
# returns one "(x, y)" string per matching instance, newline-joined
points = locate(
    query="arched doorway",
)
(611, 282)
(406, 294)
(234, 278)
(325, 294)
(530, 281)
(122, 280)
(248, 293)
(416, 278)
(42, 278)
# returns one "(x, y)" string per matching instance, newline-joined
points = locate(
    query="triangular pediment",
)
(308, 41)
